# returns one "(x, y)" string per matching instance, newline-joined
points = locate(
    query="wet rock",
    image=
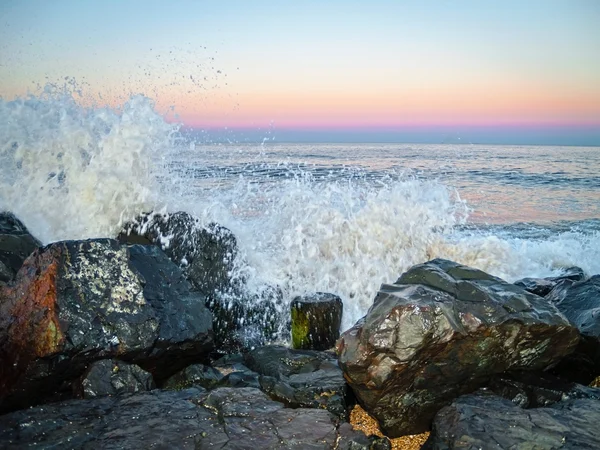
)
(579, 301)
(538, 389)
(75, 302)
(356, 440)
(251, 418)
(442, 330)
(301, 378)
(205, 254)
(224, 418)
(208, 256)
(537, 286)
(316, 321)
(16, 244)
(169, 419)
(194, 375)
(488, 422)
(573, 273)
(245, 319)
(113, 377)
(543, 286)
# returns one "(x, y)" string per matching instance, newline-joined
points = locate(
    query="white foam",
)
(71, 172)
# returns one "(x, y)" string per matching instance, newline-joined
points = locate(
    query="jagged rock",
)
(579, 301)
(483, 421)
(16, 244)
(442, 330)
(537, 286)
(316, 321)
(205, 254)
(573, 273)
(245, 319)
(75, 302)
(543, 286)
(353, 440)
(190, 419)
(113, 377)
(301, 378)
(208, 256)
(194, 375)
(538, 389)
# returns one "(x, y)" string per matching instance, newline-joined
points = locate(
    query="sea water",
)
(340, 218)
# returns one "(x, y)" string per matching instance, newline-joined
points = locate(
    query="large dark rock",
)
(16, 244)
(113, 377)
(442, 330)
(543, 286)
(483, 421)
(579, 301)
(208, 256)
(190, 419)
(301, 378)
(538, 389)
(316, 321)
(75, 302)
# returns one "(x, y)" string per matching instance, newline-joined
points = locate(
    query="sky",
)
(411, 71)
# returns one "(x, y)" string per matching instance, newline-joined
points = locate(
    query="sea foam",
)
(75, 172)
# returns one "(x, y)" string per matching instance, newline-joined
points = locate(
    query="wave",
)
(75, 172)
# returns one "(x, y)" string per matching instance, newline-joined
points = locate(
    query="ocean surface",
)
(339, 218)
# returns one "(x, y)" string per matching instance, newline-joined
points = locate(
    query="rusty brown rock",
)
(75, 302)
(441, 331)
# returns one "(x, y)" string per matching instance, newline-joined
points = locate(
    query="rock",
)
(354, 440)
(75, 302)
(194, 375)
(301, 378)
(113, 377)
(538, 389)
(579, 301)
(537, 286)
(245, 319)
(190, 419)
(483, 421)
(208, 256)
(205, 254)
(573, 273)
(543, 286)
(16, 244)
(442, 330)
(316, 321)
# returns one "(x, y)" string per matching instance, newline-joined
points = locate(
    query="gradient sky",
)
(484, 71)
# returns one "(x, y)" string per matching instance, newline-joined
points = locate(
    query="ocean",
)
(340, 218)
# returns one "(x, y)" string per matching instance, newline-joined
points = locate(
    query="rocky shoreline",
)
(153, 339)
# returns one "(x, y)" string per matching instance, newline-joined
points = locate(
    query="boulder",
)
(543, 286)
(316, 321)
(442, 330)
(113, 377)
(579, 301)
(194, 375)
(16, 244)
(245, 319)
(538, 389)
(205, 254)
(301, 378)
(75, 302)
(537, 286)
(484, 421)
(191, 419)
(208, 256)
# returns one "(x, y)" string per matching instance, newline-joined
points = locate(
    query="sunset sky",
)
(485, 71)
